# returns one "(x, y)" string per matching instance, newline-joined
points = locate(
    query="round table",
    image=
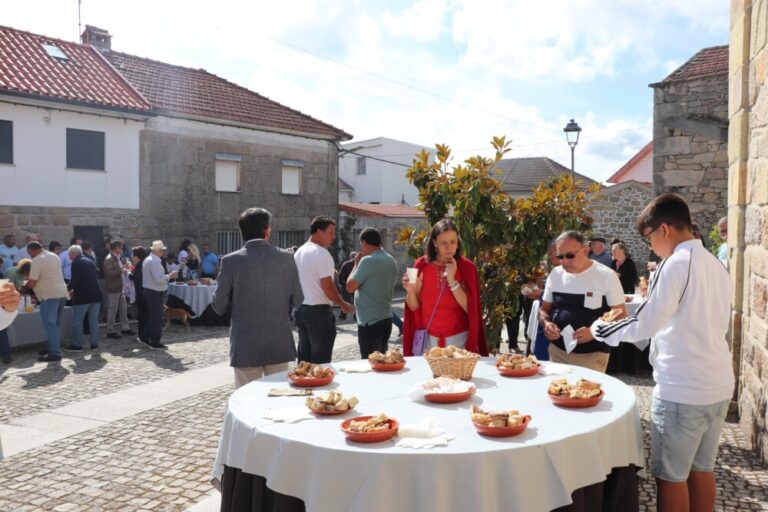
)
(628, 357)
(562, 450)
(197, 297)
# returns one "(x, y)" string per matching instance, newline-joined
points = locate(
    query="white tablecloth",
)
(27, 328)
(561, 451)
(196, 297)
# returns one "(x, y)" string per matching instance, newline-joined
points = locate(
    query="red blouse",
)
(450, 319)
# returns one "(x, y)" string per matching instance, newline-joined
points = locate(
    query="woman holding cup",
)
(442, 296)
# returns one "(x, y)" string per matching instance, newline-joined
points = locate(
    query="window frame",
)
(228, 157)
(83, 165)
(10, 142)
(292, 164)
(364, 167)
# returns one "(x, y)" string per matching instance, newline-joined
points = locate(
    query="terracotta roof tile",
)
(381, 210)
(707, 62)
(84, 77)
(522, 175)
(196, 92)
(343, 185)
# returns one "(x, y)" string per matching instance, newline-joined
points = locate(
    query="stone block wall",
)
(614, 215)
(748, 214)
(690, 153)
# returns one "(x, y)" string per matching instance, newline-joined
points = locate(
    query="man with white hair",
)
(86, 298)
(155, 283)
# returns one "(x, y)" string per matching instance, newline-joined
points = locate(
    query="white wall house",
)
(376, 171)
(69, 156)
(639, 168)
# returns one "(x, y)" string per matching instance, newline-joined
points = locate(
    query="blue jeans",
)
(397, 322)
(78, 314)
(50, 314)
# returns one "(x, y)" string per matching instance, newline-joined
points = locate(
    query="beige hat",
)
(157, 245)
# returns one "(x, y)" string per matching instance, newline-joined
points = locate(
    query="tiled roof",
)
(196, 92)
(616, 177)
(707, 62)
(343, 185)
(84, 77)
(521, 175)
(380, 210)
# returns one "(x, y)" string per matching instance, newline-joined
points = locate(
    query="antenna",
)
(79, 24)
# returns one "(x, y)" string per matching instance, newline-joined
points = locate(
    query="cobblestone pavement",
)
(162, 459)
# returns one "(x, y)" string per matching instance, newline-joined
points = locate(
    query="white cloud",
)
(423, 21)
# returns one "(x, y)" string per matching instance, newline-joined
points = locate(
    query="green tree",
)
(506, 237)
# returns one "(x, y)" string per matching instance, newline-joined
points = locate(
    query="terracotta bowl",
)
(576, 403)
(502, 431)
(449, 398)
(517, 372)
(310, 382)
(387, 367)
(330, 413)
(369, 437)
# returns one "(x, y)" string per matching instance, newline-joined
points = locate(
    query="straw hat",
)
(157, 245)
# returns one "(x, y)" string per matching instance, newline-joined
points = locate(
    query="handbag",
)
(421, 336)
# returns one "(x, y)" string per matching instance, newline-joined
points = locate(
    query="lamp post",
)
(572, 131)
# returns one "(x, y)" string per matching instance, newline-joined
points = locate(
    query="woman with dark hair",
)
(138, 254)
(445, 298)
(623, 265)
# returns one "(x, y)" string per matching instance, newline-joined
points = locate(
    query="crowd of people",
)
(99, 284)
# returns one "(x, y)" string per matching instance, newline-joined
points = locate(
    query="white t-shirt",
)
(10, 256)
(314, 263)
(46, 270)
(596, 282)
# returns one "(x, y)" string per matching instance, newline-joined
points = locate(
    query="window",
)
(361, 166)
(292, 170)
(287, 239)
(85, 149)
(6, 142)
(228, 172)
(228, 241)
(55, 52)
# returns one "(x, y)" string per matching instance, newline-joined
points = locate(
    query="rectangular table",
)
(27, 328)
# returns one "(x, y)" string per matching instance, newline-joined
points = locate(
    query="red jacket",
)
(476, 338)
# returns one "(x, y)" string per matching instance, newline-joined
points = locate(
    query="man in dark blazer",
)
(86, 299)
(258, 285)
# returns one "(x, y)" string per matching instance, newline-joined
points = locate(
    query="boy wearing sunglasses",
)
(577, 293)
(686, 313)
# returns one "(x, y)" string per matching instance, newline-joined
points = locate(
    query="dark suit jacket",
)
(258, 285)
(84, 282)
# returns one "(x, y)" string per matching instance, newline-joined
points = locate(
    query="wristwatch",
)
(455, 286)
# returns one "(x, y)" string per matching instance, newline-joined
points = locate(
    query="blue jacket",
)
(84, 282)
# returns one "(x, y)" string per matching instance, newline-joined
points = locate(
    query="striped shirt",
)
(686, 313)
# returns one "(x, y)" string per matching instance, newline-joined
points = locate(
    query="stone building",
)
(96, 142)
(614, 215)
(748, 213)
(389, 219)
(690, 134)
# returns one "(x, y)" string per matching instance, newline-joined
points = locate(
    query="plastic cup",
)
(4, 282)
(412, 273)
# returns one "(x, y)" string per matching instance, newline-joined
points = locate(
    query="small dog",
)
(182, 315)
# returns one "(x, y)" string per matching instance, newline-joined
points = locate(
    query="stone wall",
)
(614, 215)
(690, 153)
(748, 213)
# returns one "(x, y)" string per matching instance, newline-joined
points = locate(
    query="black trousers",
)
(374, 337)
(513, 324)
(155, 302)
(317, 333)
(141, 304)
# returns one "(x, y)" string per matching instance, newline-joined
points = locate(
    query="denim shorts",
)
(684, 438)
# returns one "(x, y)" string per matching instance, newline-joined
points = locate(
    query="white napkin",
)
(570, 342)
(288, 414)
(550, 368)
(424, 434)
(361, 366)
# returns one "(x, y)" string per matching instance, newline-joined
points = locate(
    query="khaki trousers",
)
(245, 375)
(597, 361)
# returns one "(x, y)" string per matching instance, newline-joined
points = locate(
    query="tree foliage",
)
(506, 237)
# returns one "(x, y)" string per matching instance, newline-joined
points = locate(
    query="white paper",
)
(362, 366)
(289, 414)
(568, 339)
(550, 368)
(428, 427)
(440, 385)
(422, 442)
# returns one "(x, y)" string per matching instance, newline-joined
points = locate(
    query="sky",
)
(456, 72)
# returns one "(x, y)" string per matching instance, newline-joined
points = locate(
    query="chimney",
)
(97, 37)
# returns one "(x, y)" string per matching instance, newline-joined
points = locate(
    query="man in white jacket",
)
(686, 313)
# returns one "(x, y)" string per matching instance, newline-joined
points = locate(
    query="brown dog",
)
(182, 315)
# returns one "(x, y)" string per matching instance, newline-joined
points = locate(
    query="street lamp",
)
(572, 131)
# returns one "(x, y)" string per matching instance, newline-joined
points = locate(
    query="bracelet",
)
(455, 286)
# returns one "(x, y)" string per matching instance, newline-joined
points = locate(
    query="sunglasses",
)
(567, 256)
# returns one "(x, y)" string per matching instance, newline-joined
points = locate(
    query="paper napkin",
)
(570, 342)
(549, 368)
(362, 366)
(423, 434)
(288, 414)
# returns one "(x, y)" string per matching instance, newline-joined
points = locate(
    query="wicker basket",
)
(456, 368)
